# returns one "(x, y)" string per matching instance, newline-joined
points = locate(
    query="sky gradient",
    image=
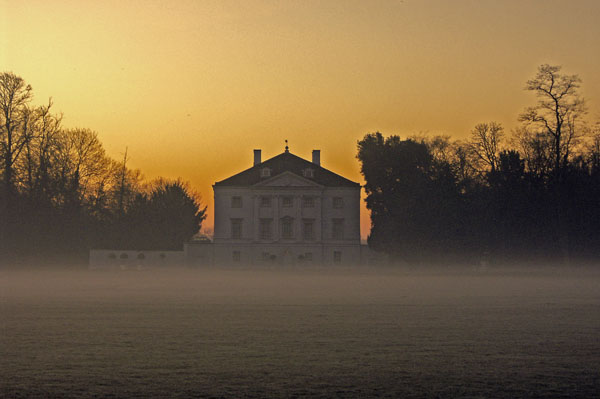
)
(192, 87)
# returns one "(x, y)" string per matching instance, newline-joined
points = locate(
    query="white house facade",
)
(288, 211)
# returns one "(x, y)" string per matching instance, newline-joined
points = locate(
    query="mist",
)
(343, 332)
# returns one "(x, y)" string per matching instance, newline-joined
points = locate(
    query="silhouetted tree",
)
(15, 132)
(35, 165)
(593, 150)
(164, 218)
(485, 143)
(557, 116)
(413, 198)
(551, 129)
(15, 126)
(60, 194)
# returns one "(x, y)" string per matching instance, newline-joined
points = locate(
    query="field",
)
(328, 333)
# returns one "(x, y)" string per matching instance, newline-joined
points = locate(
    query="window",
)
(236, 256)
(337, 256)
(308, 233)
(236, 228)
(338, 202)
(265, 202)
(308, 173)
(287, 202)
(265, 172)
(266, 229)
(308, 202)
(337, 232)
(287, 228)
(308, 256)
(236, 202)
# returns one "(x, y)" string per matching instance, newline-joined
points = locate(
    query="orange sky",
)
(192, 87)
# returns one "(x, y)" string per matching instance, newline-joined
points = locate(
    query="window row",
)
(287, 202)
(265, 229)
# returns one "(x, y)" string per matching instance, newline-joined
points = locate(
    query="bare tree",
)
(440, 147)
(557, 116)
(535, 147)
(122, 185)
(82, 160)
(15, 132)
(463, 162)
(593, 149)
(485, 143)
(126, 183)
(551, 129)
(15, 118)
(35, 166)
(453, 153)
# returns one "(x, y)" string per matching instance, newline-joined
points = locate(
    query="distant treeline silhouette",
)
(533, 197)
(60, 194)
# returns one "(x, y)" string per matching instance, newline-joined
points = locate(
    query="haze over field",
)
(343, 333)
(471, 126)
(191, 87)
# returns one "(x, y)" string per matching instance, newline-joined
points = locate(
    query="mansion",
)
(286, 210)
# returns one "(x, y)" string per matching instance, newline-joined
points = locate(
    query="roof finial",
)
(287, 149)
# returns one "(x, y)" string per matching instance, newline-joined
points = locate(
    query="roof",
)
(287, 162)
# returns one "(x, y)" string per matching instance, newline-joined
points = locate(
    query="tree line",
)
(533, 195)
(61, 194)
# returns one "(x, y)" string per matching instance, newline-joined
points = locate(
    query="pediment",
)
(287, 179)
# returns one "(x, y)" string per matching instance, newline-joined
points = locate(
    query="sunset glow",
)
(190, 88)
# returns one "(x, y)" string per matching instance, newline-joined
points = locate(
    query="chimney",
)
(256, 157)
(317, 157)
